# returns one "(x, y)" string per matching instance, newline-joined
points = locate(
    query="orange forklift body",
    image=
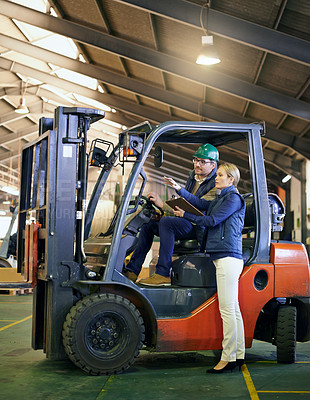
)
(203, 328)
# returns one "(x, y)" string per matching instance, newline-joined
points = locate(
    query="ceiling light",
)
(208, 55)
(10, 190)
(53, 12)
(286, 178)
(22, 108)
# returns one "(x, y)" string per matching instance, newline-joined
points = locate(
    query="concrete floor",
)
(27, 374)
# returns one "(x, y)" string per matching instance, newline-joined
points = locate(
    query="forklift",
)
(84, 307)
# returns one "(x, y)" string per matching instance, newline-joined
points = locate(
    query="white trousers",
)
(228, 270)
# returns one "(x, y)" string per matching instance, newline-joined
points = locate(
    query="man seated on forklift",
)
(200, 182)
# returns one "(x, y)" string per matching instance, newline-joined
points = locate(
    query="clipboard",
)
(184, 205)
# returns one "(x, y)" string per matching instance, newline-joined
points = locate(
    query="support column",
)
(306, 191)
(303, 208)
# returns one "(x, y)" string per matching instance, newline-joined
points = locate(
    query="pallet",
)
(15, 291)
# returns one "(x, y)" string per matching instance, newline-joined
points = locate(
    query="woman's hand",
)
(154, 197)
(179, 212)
(171, 182)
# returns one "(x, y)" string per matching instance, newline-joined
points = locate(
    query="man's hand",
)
(171, 182)
(179, 212)
(154, 197)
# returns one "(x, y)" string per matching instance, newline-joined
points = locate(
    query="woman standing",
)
(224, 221)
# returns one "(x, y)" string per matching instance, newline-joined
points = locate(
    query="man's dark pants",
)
(169, 229)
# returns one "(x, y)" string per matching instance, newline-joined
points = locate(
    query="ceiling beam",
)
(10, 155)
(163, 96)
(40, 92)
(42, 108)
(158, 60)
(182, 153)
(284, 164)
(228, 26)
(11, 116)
(111, 100)
(233, 153)
(22, 134)
(73, 87)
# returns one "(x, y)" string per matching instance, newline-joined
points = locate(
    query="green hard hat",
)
(207, 151)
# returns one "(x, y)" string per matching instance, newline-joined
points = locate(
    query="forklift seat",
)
(249, 217)
(186, 247)
(248, 227)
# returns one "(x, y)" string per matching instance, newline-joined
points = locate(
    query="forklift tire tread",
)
(103, 334)
(286, 334)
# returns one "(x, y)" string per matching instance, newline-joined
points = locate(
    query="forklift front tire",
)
(286, 334)
(103, 334)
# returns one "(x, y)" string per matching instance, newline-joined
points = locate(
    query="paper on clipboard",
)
(184, 205)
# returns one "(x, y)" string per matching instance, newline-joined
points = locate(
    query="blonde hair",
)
(232, 171)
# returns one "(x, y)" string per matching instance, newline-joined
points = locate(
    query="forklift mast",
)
(53, 194)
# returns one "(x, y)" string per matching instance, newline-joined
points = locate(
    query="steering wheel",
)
(149, 207)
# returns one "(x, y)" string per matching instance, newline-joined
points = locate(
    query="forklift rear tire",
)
(286, 335)
(103, 334)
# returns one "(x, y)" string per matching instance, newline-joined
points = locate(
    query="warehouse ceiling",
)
(136, 60)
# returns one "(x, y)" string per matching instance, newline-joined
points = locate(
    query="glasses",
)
(202, 162)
